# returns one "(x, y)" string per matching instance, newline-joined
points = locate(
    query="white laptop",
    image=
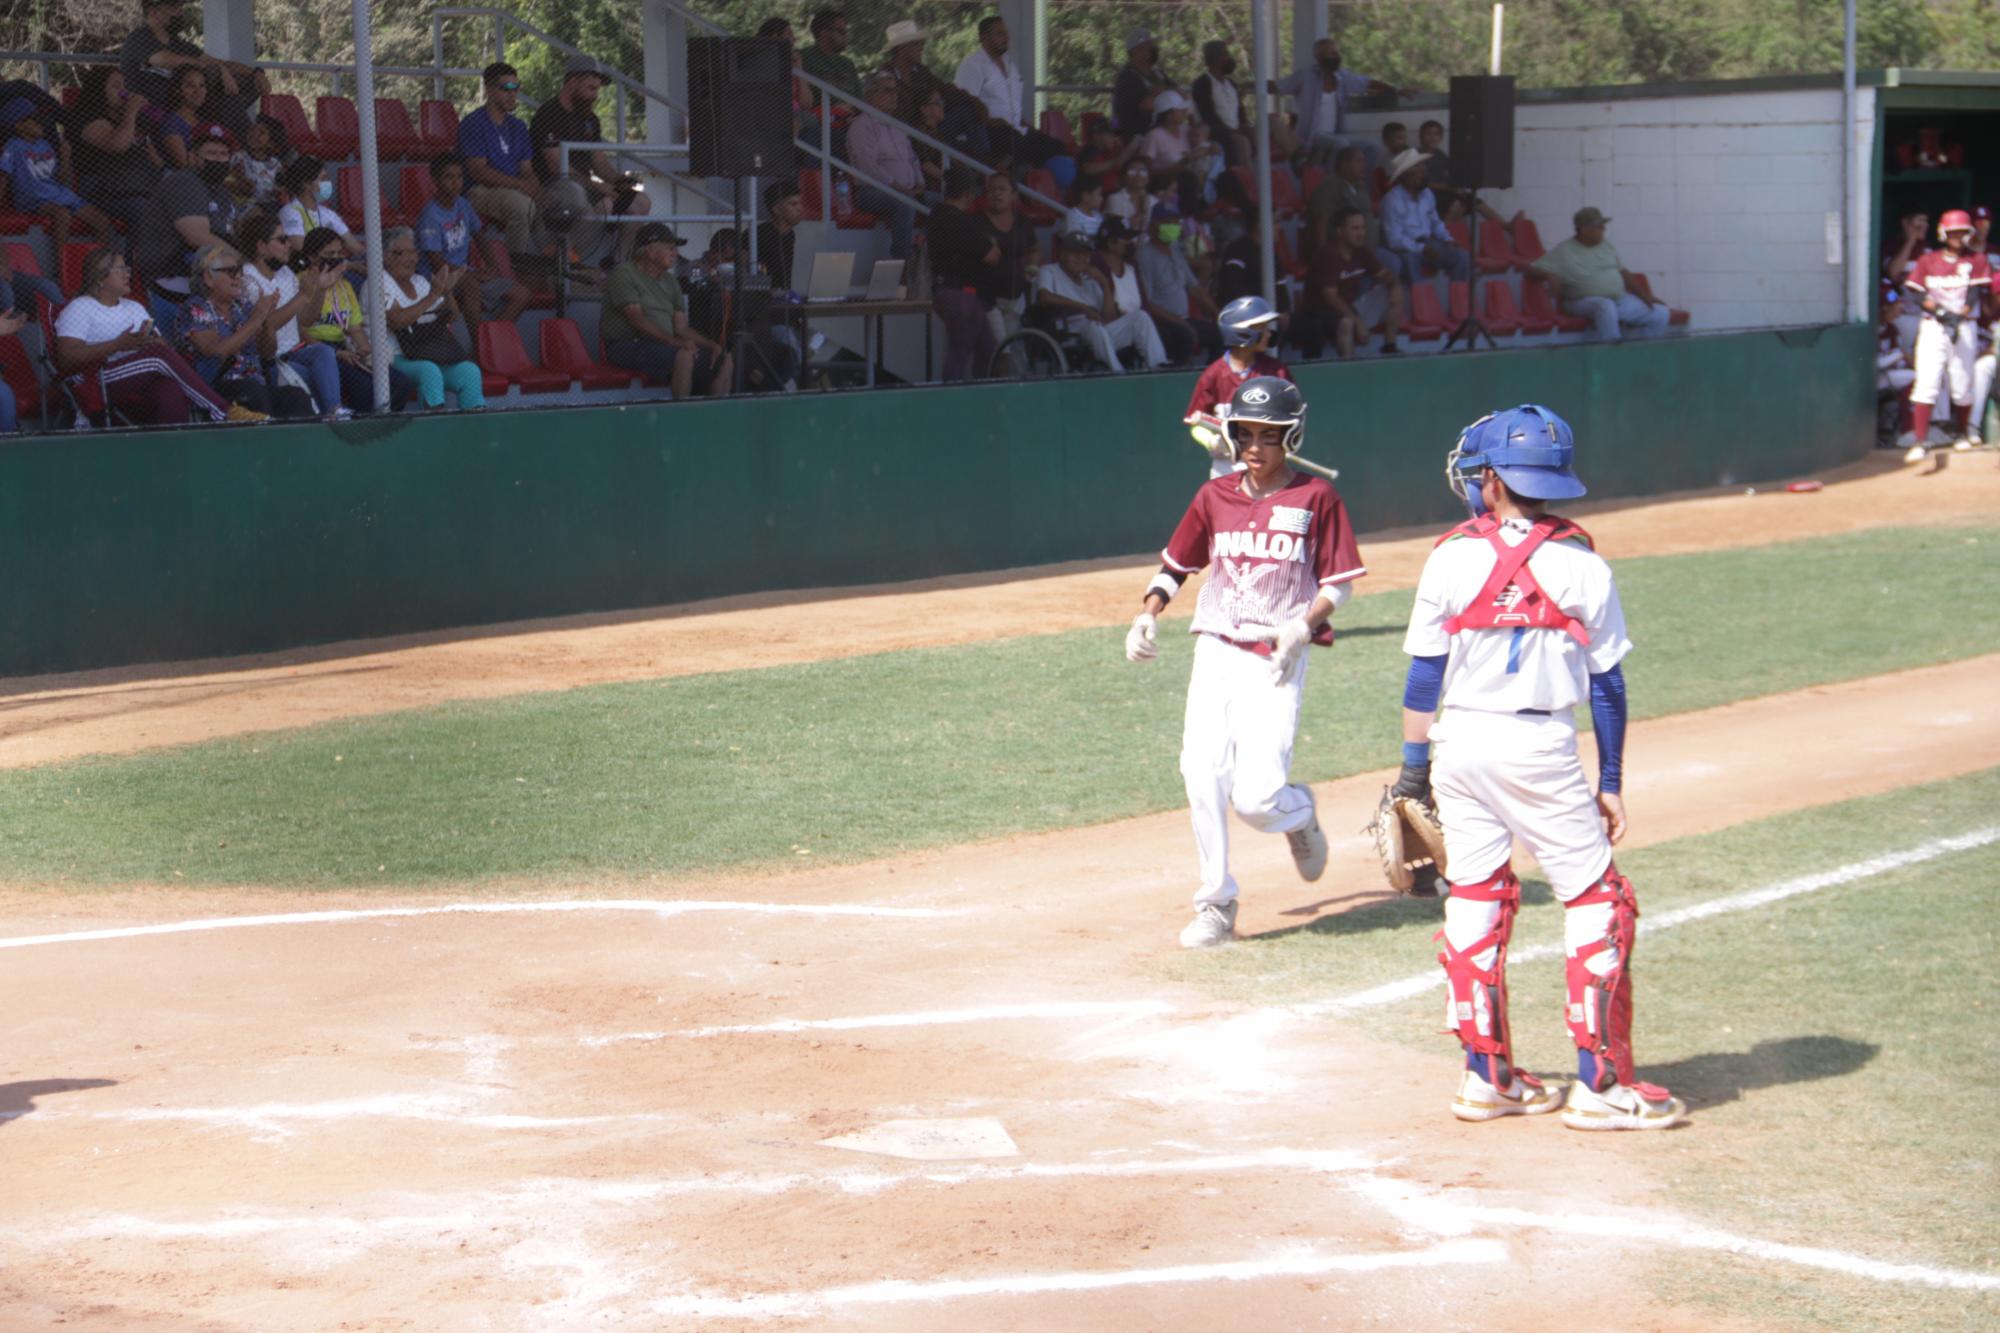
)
(885, 282)
(832, 275)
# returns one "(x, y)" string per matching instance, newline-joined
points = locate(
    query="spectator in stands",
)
(11, 323)
(1070, 292)
(1346, 186)
(1590, 281)
(1141, 79)
(1116, 245)
(1165, 148)
(1395, 142)
(308, 196)
(170, 135)
(342, 325)
(645, 321)
(930, 119)
(804, 123)
(1004, 288)
(19, 290)
(1219, 103)
(116, 166)
(823, 59)
(587, 183)
(1180, 306)
(964, 124)
(253, 168)
(1321, 92)
(29, 161)
(156, 49)
(961, 252)
(498, 150)
(418, 312)
(1349, 290)
(295, 305)
(1085, 214)
(882, 149)
(227, 335)
(1205, 163)
(1103, 154)
(448, 234)
(1134, 201)
(186, 213)
(142, 377)
(777, 235)
(994, 82)
(1411, 227)
(1911, 241)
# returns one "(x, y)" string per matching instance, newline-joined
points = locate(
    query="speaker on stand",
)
(1482, 158)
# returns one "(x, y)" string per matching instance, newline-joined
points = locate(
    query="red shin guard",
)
(1478, 996)
(1600, 982)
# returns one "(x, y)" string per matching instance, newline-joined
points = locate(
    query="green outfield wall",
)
(124, 547)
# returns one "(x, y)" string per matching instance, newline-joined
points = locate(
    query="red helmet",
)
(1956, 219)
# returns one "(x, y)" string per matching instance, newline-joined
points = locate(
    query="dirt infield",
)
(48, 718)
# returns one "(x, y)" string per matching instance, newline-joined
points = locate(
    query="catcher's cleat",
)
(1213, 924)
(1479, 1100)
(1309, 847)
(1622, 1106)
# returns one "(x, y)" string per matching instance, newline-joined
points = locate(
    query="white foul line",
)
(655, 906)
(1394, 991)
(924, 1018)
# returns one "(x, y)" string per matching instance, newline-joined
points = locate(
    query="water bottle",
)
(843, 195)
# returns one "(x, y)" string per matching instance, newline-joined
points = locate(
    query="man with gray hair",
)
(586, 182)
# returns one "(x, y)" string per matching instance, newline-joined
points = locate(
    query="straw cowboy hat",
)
(901, 33)
(1403, 161)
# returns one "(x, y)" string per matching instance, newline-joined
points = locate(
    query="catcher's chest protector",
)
(1510, 598)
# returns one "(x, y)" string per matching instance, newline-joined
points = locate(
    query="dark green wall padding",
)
(139, 547)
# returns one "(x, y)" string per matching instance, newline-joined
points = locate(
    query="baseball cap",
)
(1589, 217)
(210, 132)
(1169, 101)
(17, 110)
(1138, 37)
(1114, 229)
(654, 232)
(1076, 240)
(1162, 210)
(578, 66)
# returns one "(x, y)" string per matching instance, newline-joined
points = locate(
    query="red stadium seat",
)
(812, 209)
(1496, 252)
(70, 93)
(1459, 303)
(1426, 315)
(1056, 125)
(437, 125)
(1539, 303)
(12, 223)
(563, 349)
(1675, 318)
(1502, 316)
(339, 127)
(69, 266)
(1461, 235)
(1281, 255)
(417, 190)
(348, 201)
(492, 383)
(1528, 245)
(501, 353)
(1311, 181)
(395, 136)
(1285, 199)
(285, 109)
(21, 259)
(1040, 214)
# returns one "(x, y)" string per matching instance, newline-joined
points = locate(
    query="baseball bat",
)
(1205, 430)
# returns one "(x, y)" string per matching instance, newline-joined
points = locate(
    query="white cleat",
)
(1479, 1100)
(1309, 847)
(1213, 924)
(1622, 1106)
(1917, 454)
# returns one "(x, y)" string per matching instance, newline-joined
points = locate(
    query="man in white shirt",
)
(1067, 289)
(988, 75)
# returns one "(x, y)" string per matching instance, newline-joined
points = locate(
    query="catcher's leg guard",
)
(1481, 914)
(1598, 931)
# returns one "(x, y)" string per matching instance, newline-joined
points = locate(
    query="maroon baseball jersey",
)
(1218, 384)
(1270, 556)
(1949, 279)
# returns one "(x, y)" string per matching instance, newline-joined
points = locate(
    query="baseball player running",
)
(1516, 621)
(1249, 327)
(1284, 559)
(1951, 286)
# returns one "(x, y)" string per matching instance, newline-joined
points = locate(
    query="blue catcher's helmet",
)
(1244, 320)
(1529, 446)
(1265, 398)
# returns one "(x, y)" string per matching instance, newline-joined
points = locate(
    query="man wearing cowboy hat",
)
(1411, 227)
(1590, 281)
(964, 126)
(1132, 92)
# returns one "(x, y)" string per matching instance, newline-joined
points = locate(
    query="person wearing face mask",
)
(308, 205)
(187, 211)
(157, 50)
(1218, 102)
(1137, 84)
(1321, 92)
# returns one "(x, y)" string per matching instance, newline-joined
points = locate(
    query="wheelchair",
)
(1042, 349)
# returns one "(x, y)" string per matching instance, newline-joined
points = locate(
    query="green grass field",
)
(868, 756)
(1837, 1050)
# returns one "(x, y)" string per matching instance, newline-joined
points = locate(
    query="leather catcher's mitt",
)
(1410, 842)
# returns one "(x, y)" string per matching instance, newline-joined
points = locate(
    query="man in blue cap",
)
(1516, 622)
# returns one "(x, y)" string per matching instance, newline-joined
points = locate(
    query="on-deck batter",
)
(1283, 558)
(1951, 287)
(1516, 622)
(1249, 327)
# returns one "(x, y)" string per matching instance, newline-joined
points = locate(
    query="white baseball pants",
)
(1982, 387)
(1941, 358)
(1500, 777)
(1236, 752)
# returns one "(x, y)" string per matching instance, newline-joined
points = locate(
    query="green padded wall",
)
(150, 546)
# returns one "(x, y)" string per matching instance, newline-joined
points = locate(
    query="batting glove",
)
(1142, 641)
(1289, 646)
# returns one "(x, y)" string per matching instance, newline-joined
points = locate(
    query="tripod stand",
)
(1471, 328)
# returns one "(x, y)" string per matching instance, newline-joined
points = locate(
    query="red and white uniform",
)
(1269, 558)
(1958, 284)
(1217, 385)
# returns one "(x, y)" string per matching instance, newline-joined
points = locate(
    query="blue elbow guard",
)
(1425, 681)
(1607, 714)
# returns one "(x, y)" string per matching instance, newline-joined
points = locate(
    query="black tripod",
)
(1472, 328)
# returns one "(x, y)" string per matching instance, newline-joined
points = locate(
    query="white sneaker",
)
(1622, 1106)
(1309, 846)
(1479, 1100)
(1917, 454)
(1213, 924)
(1964, 444)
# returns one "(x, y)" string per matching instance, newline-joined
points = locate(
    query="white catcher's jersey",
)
(1504, 670)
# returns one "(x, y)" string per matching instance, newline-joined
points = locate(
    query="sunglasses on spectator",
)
(233, 270)
(331, 261)
(510, 86)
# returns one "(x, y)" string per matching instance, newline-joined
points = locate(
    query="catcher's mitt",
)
(1410, 842)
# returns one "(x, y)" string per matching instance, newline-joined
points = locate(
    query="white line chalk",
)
(274, 1118)
(656, 907)
(1395, 991)
(922, 1018)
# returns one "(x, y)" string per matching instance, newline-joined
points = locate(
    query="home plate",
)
(931, 1140)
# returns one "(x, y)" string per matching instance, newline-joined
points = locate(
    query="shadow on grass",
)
(1388, 911)
(1705, 1081)
(18, 1099)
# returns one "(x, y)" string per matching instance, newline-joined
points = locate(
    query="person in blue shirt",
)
(495, 144)
(30, 161)
(447, 230)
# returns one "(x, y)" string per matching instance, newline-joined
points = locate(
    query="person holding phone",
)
(341, 323)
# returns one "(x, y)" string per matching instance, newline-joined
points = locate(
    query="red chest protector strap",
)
(1527, 606)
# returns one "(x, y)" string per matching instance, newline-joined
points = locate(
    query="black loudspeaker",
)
(739, 106)
(1482, 131)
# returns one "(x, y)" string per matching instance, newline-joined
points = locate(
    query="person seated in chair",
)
(1069, 292)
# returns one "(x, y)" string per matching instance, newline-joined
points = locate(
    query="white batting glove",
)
(1289, 647)
(1142, 641)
